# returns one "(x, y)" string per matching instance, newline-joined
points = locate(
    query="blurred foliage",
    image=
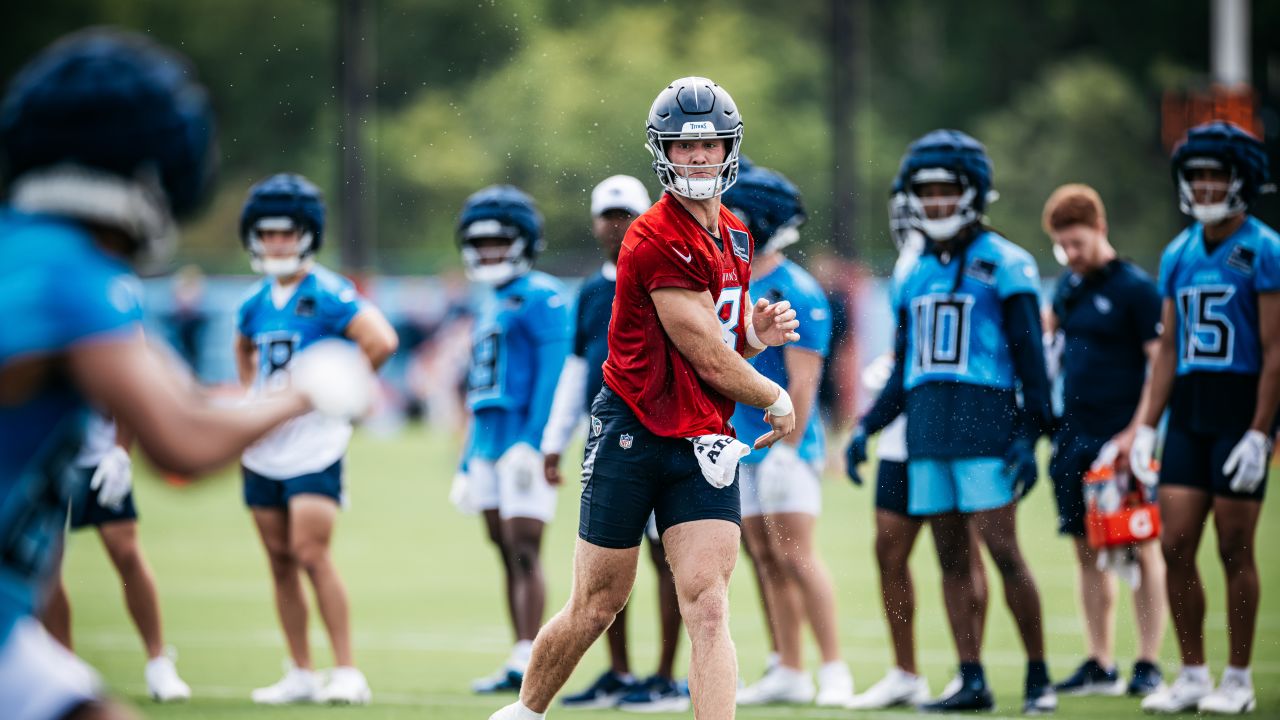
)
(552, 95)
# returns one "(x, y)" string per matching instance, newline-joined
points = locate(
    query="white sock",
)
(833, 666)
(1198, 673)
(1242, 675)
(904, 674)
(520, 654)
(771, 661)
(517, 711)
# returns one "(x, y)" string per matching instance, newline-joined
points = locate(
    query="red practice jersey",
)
(667, 248)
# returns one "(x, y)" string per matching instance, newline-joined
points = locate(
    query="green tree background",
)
(552, 95)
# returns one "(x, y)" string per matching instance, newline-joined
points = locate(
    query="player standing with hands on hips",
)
(682, 323)
(1218, 370)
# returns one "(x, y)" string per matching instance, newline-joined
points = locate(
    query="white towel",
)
(718, 456)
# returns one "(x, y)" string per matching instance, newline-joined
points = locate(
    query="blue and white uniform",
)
(304, 455)
(788, 281)
(521, 336)
(965, 322)
(66, 292)
(891, 446)
(1215, 295)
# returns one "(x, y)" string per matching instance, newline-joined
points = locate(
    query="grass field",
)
(428, 618)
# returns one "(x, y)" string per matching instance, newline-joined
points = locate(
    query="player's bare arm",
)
(1155, 393)
(804, 371)
(246, 360)
(377, 339)
(689, 319)
(176, 427)
(1269, 380)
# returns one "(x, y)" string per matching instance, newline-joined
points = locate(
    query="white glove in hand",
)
(523, 464)
(113, 478)
(460, 493)
(336, 377)
(781, 467)
(1106, 456)
(718, 457)
(1247, 463)
(1142, 455)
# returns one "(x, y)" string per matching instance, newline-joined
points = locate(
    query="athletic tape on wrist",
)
(753, 339)
(782, 406)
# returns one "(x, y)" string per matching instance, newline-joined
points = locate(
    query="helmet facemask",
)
(494, 263)
(725, 174)
(946, 228)
(280, 266)
(1232, 203)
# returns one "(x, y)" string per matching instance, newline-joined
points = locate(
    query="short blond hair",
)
(1073, 204)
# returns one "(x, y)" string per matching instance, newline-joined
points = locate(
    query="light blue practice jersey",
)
(788, 282)
(954, 313)
(522, 333)
(60, 291)
(1216, 296)
(321, 306)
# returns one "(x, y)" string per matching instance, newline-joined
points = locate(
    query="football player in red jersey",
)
(660, 435)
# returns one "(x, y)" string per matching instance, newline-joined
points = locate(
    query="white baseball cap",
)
(620, 192)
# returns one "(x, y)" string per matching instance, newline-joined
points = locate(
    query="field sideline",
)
(428, 616)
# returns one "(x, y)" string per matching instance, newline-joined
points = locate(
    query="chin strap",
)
(137, 208)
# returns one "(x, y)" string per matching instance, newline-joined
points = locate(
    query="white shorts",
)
(40, 679)
(510, 498)
(803, 493)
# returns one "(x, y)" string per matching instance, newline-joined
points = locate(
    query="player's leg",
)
(311, 523)
(792, 538)
(786, 680)
(602, 581)
(1235, 519)
(950, 539)
(120, 538)
(486, 494)
(702, 554)
(763, 566)
(668, 609)
(291, 600)
(1151, 613)
(56, 615)
(522, 542)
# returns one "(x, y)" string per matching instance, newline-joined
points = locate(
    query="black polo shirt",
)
(1106, 316)
(591, 330)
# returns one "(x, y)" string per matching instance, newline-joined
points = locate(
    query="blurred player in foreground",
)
(106, 138)
(519, 342)
(1107, 313)
(780, 485)
(896, 528)
(682, 322)
(293, 478)
(969, 343)
(1217, 368)
(107, 475)
(615, 203)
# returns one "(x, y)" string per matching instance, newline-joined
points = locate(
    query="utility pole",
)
(848, 19)
(355, 89)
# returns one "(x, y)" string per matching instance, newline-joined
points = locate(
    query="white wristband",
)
(782, 406)
(754, 340)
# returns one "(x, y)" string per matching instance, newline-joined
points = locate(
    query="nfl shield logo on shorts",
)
(625, 441)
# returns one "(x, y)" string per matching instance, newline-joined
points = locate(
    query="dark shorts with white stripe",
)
(628, 472)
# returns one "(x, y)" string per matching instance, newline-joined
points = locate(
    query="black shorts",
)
(85, 510)
(628, 472)
(1073, 453)
(1195, 460)
(265, 492)
(891, 487)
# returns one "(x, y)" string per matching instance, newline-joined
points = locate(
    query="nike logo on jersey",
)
(687, 258)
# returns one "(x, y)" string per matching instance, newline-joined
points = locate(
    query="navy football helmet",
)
(283, 202)
(1222, 146)
(109, 128)
(770, 206)
(946, 156)
(694, 108)
(499, 212)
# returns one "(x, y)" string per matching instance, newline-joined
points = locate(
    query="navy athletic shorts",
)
(891, 487)
(1073, 453)
(85, 510)
(261, 491)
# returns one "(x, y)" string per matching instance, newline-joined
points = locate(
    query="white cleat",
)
(779, 685)
(163, 683)
(346, 686)
(1183, 695)
(1231, 698)
(953, 687)
(835, 685)
(898, 688)
(297, 686)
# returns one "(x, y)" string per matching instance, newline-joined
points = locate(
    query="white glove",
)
(779, 469)
(460, 493)
(523, 464)
(1247, 463)
(1106, 456)
(113, 478)
(1055, 344)
(336, 377)
(1142, 455)
(718, 457)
